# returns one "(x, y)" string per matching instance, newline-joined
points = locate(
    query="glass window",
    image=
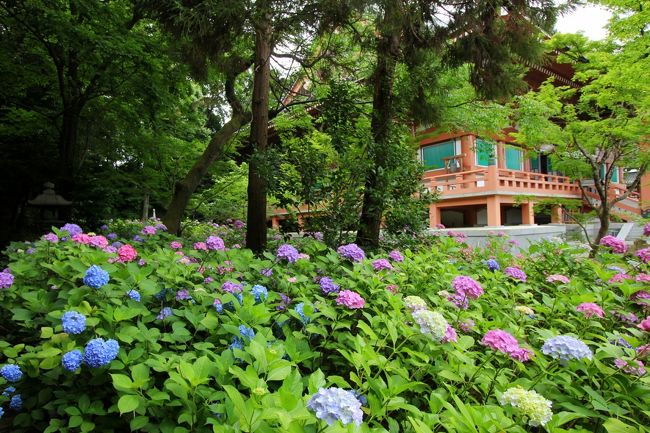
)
(433, 156)
(484, 149)
(514, 158)
(534, 164)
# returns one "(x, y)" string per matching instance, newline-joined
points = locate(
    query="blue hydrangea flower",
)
(96, 277)
(72, 360)
(165, 312)
(246, 332)
(566, 348)
(16, 402)
(161, 295)
(8, 391)
(112, 236)
(134, 294)
(298, 309)
(332, 404)
(493, 265)
(2, 412)
(138, 238)
(99, 352)
(11, 372)
(73, 322)
(260, 293)
(218, 306)
(237, 343)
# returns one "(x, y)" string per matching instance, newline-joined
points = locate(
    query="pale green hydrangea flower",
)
(431, 323)
(530, 405)
(415, 303)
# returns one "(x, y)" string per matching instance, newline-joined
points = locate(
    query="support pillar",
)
(527, 213)
(435, 216)
(493, 211)
(557, 216)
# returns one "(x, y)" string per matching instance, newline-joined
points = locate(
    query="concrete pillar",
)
(527, 213)
(556, 215)
(501, 154)
(493, 211)
(467, 147)
(435, 216)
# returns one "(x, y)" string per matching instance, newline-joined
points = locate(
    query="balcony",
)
(493, 180)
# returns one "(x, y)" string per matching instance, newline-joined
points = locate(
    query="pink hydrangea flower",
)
(51, 237)
(450, 335)
(503, 342)
(81, 238)
(126, 253)
(644, 254)
(646, 229)
(589, 309)
(515, 273)
(616, 245)
(303, 256)
(466, 326)
(466, 288)
(350, 299)
(634, 367)
(149, 230)
(643, 351)
(200, 246)
(393, 288)
(619, 278)
(643, 278)
(645, 324)
(557, 278)
(292, 279)
(98, 241)
(175, 245)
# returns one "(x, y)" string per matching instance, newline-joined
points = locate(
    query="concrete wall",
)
(574, 232)
(522, 236)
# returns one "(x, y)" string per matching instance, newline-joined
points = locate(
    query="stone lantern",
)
(48, 208)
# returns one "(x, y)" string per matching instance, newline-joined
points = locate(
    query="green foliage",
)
(180, 373)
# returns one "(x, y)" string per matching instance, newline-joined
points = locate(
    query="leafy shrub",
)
(186, 339)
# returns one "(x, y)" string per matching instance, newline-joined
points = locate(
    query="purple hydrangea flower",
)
(287, 252)
(616, 245)
(328, 286)
(6, 279)
(112, 236)
(231, 287)
(267, 272)
(396, 256)
(351, 252)
(493, 265)
(149, 230)
(183, 295)
(515, 273)
(215, 243)
(99, 352)
(72, 229)
(381, 264)
(51, 237)
(332, 404)
(73, 322)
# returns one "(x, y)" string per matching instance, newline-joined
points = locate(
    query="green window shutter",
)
(534, 163)
(513, 158)
(615, 175)
(483, 151)
(432, 156)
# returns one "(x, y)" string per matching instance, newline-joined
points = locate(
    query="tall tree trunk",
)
(184, 189)
(68, 152)
(381, 122)
(603, 217)
(256, 212)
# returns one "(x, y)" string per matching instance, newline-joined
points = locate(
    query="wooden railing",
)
(493, 179)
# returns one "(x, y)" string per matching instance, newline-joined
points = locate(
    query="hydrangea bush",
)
(195, 334)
